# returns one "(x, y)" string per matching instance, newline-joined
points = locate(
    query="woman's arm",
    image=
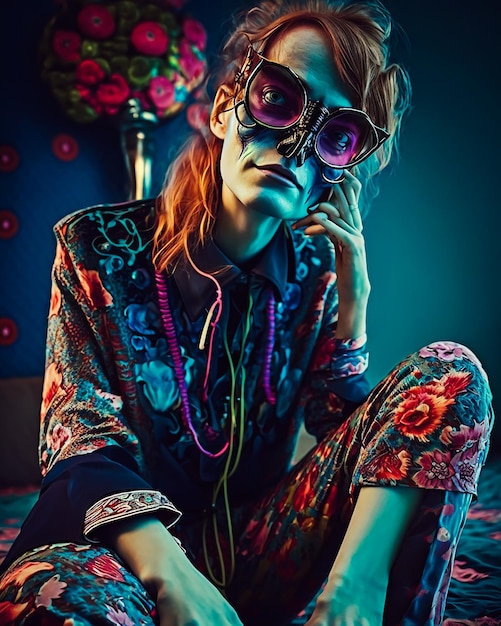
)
(182, 594)
(355, 593)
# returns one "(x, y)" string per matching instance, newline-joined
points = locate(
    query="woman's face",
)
(250, 169)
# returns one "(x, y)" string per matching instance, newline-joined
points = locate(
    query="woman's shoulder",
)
(131, 217)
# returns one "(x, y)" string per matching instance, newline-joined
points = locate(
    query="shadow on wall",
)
(431, 235)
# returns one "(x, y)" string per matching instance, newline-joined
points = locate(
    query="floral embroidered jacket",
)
(113, 439)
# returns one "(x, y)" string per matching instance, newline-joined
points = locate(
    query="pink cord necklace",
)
(212, 320)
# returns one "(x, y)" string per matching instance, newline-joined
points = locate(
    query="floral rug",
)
(475, 592)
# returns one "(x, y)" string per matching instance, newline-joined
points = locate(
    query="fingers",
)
(346, 196)
(332, 225)
(342, 203)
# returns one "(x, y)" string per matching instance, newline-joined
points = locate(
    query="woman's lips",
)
(280, 172)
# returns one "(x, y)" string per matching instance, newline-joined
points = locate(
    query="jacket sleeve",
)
(336, 383)
(91, 458)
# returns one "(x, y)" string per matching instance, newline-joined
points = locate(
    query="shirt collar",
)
(276, 263)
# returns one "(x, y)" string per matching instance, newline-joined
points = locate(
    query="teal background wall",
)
(432, 234)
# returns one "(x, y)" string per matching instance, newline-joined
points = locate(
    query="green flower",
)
(127, 16)
(120, 65)
(141, 71)
(90, 49)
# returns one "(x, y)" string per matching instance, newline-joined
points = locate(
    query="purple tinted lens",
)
(275, 97)
(344, 138)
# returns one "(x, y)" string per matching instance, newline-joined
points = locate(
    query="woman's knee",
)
(85, 582)
(452, 355)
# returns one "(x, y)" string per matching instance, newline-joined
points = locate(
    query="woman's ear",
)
(220, 111)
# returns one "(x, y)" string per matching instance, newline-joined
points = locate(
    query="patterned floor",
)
(475, 593)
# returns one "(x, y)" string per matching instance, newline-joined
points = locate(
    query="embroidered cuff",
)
(121, 506)
(349, 357)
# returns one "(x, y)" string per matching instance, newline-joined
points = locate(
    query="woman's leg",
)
(425, 426)
(72, 585)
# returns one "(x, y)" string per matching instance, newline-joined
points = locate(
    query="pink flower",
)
(161, 92)
(58, 438)
(50, 590)
(197, 115)
(89, 72)
(446, 351)
(66, 44)
(437, 472)
(118, 617)
(149, 38)
(467, 438)
(112, 93)
(195, 33)
(96, 22)
(192, 66)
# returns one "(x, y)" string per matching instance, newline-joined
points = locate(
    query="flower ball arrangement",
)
(97, 55)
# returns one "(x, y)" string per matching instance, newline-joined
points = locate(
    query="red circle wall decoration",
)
(8, 224)
(65, 147)
(8, 331)
(9, 159)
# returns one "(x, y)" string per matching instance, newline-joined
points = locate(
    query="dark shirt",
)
(114, 438)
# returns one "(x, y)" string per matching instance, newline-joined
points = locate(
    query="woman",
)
(190, 338)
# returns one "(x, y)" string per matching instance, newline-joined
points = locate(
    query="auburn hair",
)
(358, 33)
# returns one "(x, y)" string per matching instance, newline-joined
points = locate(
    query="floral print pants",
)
(426, 425)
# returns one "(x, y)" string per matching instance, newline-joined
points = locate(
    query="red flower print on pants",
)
(422, 408)
(437, 472)
(389, 465)
(106, 567)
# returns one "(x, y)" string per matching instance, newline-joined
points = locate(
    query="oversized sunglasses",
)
(275, 97)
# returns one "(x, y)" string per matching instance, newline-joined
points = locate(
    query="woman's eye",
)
(341, 141)
(273, 97)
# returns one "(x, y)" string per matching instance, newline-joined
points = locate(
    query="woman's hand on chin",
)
(339, 218)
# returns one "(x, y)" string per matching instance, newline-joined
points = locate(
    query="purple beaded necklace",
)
(212, 319)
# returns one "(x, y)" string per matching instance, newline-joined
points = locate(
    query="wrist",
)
(352, 319)
(147, 547)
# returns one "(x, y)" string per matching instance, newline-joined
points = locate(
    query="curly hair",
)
(358, 34)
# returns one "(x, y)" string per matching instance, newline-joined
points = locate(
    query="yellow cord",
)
(231, 463)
